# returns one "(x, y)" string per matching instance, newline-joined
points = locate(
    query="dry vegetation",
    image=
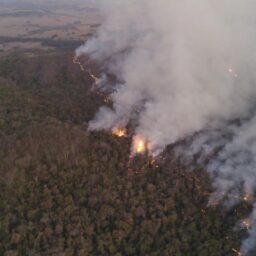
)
(28, 26)
(69, 191)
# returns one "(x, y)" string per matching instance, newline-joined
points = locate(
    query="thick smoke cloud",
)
(188, 70)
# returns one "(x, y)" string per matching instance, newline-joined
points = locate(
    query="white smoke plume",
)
(188, 70)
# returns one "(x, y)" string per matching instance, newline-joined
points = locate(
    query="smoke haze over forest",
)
(189, 67)
(127, 127)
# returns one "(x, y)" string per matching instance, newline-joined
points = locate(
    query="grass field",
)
(25, 26)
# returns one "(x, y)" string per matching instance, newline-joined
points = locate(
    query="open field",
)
(45, 25)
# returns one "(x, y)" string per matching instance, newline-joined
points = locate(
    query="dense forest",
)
(69, 191)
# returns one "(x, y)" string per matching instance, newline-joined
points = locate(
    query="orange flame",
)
(139, 145)
(84, 69)
(119, 132)
(248, 197)
(247, 223)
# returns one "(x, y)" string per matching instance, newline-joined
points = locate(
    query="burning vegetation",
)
(139, 145)
(140, 159)
(119, 132)
(85, 69)
(69, 191)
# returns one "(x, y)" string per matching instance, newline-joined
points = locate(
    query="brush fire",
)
(84, 69)
(139, 145)
(119, 132)
(206, 77)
